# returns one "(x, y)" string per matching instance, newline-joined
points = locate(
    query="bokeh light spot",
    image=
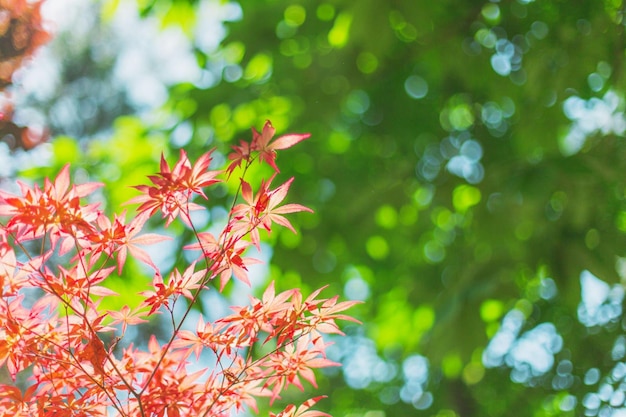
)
(387, 217)
(339, 34)
(244, 115)
(377, 247)
(592, 376)
(423, 318)
(423, 196)
(524, 230)
(295, 15)
(234, 52)
(600, 302)
(357, 289)
(460, 116)
(595, 81)
(491, 12)
(325, 12)
(568, 403)
(338, 142)
(491, 310)
(539, 29)
(592, 239)
(367, 62)
(451, 366)
(473, 373)
(357, 102)
(501, 64)
(434, 251)
(465, 196)
(416, 87)
(424, 401)
(486, 38)
(259, 68)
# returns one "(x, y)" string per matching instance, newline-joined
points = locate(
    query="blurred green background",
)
(466, 168)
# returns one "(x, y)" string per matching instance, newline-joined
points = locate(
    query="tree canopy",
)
(465, 167)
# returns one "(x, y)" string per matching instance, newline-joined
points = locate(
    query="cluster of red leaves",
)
(21, 33)
(54, 333)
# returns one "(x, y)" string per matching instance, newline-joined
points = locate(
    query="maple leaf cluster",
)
(21, 33)
(57, 250)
